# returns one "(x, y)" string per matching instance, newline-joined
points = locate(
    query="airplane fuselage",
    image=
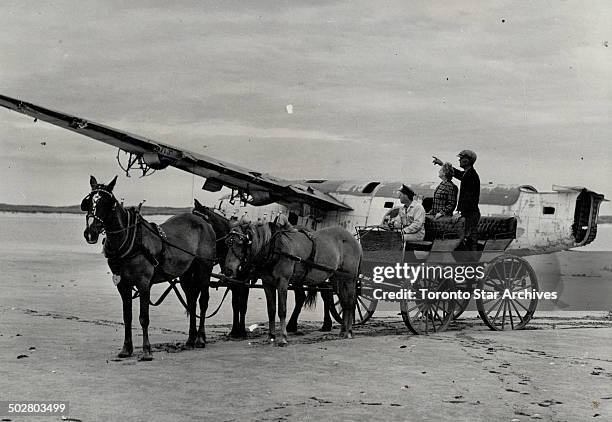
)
(546, 221)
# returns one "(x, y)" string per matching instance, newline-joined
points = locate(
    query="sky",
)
(374, 89)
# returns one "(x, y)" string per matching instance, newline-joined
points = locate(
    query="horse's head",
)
(238, 242)
(98, 204)
(220, 224)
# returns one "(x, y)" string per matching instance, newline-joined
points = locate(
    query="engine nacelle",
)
(155, 161)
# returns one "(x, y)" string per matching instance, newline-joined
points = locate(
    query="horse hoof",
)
(282, 343)
(292, 328)
(123, 355)
(326, 328)
(146, 358)
(189, 345)
(235, 334)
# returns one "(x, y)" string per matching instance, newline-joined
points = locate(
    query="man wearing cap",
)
(469, 195)
(411, 216)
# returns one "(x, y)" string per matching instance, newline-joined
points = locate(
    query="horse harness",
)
(132, 244)
(272, 255)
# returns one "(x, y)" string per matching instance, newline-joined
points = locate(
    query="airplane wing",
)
(260, 188)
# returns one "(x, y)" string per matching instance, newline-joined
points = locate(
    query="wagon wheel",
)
(460, 306)
(507, 274)
(424, 316)
(364, 308)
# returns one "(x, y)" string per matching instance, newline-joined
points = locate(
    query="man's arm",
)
(417, 223)
(458, 174)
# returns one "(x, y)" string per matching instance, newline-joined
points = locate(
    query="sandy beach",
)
(61, 329)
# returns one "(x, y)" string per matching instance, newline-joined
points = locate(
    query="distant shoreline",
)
(76, 209)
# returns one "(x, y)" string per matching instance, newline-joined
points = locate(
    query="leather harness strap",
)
(133, 244)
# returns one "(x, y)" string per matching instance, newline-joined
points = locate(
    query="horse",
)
(240, 294)
(141, 253)
(298, 256)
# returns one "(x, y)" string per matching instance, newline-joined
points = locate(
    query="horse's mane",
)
(261, 235)
(221, 225)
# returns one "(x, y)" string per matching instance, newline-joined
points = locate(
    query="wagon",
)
(503, 285)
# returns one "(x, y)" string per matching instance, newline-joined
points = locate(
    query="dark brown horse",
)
(240, 295)
(140, 254)
(284, 256)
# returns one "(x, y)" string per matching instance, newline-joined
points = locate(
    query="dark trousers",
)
(471, 229)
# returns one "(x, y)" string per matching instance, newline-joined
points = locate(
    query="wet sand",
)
(63, 314)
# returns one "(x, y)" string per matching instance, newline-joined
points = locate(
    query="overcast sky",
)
(376, 89)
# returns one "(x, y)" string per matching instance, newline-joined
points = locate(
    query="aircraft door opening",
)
(584, 228)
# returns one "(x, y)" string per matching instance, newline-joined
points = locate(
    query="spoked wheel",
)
(428, 315)
(504, 287)
(364, 308)
(460, 305)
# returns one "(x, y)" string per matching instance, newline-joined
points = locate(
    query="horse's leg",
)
(300, 298)
(282, 309)
(347, 295)
(240, 297)
(204, 296)
(236, 308)
(125, 290)
(271, 302)
(244, 301)
(191, 295)
(145, 294)
(328, 301)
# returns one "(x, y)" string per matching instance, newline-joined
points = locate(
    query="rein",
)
(265, 256)
(172, 286)
(131, 233)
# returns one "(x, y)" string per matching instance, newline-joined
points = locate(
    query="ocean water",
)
(51, 232)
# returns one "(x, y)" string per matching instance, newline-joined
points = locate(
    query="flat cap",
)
(468, 153)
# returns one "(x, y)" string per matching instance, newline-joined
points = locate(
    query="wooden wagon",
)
(503, 285)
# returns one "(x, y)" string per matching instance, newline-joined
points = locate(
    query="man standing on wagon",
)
(469, 195)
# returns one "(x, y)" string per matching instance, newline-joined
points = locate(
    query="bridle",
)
(245, 243)
(91, 211)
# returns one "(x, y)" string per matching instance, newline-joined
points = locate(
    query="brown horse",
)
(140, 254)
(240, 294)
(303, 258)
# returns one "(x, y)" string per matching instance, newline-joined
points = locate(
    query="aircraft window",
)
(548, 210)
(389, 204)
(370, 187)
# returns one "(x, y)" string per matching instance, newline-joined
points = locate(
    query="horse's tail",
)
(311, 299)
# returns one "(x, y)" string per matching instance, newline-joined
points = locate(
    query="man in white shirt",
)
(411, 216)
